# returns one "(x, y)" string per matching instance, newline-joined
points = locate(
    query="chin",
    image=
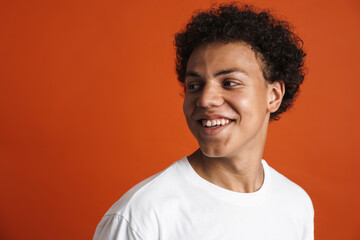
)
(213, 152)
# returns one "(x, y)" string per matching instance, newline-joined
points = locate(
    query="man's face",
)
(227, 101)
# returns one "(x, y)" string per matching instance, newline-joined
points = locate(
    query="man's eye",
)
(193, 86)
(230, 83)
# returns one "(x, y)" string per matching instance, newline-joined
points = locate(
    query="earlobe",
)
(277, 91)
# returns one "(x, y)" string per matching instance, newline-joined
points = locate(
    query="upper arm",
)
(115, 227)
(308, 233)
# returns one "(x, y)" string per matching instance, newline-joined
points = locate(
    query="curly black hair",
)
(279, 49)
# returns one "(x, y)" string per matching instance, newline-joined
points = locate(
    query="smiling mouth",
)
(214, 123)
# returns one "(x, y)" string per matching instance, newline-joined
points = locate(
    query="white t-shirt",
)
(178, 204)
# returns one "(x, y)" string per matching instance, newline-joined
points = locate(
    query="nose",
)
(210, 96)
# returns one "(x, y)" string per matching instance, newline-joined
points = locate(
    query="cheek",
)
(249, 105)
(241, 103)
(187, 107)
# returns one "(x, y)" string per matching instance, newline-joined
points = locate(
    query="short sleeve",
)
(115, 227)
(309, 221)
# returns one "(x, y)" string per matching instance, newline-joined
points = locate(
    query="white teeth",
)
(213, 123)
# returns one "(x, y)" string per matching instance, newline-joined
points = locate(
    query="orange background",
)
(90, 105)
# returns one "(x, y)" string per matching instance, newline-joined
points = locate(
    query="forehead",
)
(218, 56)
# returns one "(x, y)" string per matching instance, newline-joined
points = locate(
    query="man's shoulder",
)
(284, 184)
(136, 212)
(148, 192)
(289, 192)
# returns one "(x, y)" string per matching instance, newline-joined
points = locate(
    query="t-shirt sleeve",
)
(115, 227)
(309, 221)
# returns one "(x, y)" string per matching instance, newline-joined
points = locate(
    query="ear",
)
(276, 94)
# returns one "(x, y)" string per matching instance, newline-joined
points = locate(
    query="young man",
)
(240, 69)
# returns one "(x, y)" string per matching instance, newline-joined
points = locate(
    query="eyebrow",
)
(228, 71)
(221, 72)
(192, 74)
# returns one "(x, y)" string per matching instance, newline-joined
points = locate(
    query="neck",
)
(240, 174)
(240, 171)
